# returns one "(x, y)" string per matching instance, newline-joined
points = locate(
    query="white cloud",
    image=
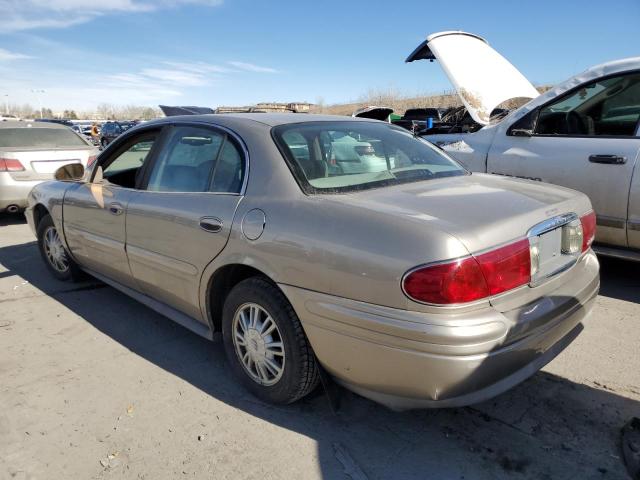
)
(6, 55)
(200, 67)
(175, 77)
(250, 67)
(31, 14)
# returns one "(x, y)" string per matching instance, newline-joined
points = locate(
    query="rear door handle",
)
(610, 159)
(211, 224)
(116, 209)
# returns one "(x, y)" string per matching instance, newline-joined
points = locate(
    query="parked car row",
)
(109, 131)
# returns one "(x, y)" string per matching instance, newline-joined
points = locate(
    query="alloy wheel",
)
(54, 250)
(258, 344)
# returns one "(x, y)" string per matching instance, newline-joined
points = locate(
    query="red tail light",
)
(91, 160)
(588, 222)
(10, 165)
(471, 278)
(456, 282)
(506, 267)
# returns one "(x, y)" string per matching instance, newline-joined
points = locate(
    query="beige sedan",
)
(330, 243)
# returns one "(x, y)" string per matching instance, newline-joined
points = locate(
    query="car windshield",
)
(335, 157)
(37, 138)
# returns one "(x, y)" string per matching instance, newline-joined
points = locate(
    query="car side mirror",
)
(525, 127)
(70, 172)
(521, 132)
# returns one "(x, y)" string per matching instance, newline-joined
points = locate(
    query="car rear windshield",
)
(38, 138)
(337, 157)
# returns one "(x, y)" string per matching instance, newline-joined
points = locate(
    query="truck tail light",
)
(471, 278)
(588, 222)
(10, 165)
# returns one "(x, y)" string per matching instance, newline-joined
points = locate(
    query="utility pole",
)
(6, 103)
(37, 92)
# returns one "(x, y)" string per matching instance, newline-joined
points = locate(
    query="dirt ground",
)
(94, 385)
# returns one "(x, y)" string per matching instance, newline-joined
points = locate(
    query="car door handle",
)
(116, 209)
(211, 224)
(610, 159)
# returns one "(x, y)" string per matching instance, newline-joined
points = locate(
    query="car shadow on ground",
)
(619, 279)
(548, 427)
(11, 219)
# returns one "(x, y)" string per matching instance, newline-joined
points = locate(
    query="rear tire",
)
(265, 344)
(53, 252)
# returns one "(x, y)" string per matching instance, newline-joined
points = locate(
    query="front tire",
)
(55, 256)
(265, 344)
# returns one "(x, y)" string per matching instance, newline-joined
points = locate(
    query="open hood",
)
(482, 77)
(374, 112)
(171, 111)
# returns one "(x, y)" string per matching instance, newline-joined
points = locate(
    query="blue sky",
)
(221, 52)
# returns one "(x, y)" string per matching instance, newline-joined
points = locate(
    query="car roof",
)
(268, 119)
(25, 124)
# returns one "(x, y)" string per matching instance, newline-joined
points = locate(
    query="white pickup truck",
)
(582, 134)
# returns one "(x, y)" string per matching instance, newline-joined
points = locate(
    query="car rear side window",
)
(39, 138)
(229, 170)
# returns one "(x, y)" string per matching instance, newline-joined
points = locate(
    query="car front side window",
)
(124, 167)
(605, 107)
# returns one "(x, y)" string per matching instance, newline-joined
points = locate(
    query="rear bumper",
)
(14, 192)
(407, 359)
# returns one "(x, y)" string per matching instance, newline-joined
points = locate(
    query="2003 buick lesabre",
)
(328, 242)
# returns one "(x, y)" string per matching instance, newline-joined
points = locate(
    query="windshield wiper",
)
(422, 172)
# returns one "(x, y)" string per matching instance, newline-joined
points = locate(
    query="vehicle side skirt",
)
(162, 308)
(622, 253)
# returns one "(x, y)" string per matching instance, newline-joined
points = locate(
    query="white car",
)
(30, 153)
(582, 134)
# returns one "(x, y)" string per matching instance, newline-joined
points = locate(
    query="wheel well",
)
(223, 280)
(39, 211)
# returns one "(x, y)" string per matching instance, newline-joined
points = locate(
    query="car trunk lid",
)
(42, 164)
(482, 211)
(481, 76)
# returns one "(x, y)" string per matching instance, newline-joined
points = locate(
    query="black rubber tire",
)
(301, 373)
(73, 273)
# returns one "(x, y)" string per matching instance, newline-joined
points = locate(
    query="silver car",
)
(30, 153)
(416, 284)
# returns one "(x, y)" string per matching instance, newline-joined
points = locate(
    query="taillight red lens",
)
(10, 165)
(91, 160)
(588, 222)
(472, 278)
(506, 267)
(456, 282)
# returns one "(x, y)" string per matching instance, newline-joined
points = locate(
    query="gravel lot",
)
(95, 385)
